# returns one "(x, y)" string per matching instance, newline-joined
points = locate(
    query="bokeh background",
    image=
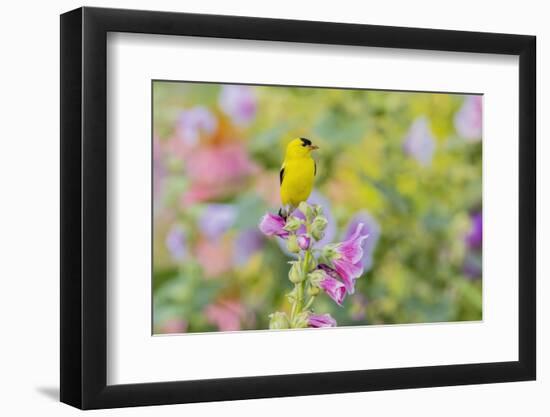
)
(407, 164)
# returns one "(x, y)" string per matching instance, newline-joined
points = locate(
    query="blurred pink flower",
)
(321, 320)
(238, 102)
(469, 119)
(228, 315)
(215, 256)
(217, 171)
(159, 171)
(174, 326)
(419, 142)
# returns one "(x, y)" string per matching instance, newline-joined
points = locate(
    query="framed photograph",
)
(256, 208)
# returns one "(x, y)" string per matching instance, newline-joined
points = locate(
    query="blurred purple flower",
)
(321, 320)
(239, 103)
(194, 122)
(176, 242)
(469, 119)
(474, 239)
(216, 219)
(472, 267)
(334, 288)
(370, 228)
(419, 142)
(272, 225)
(248, 242)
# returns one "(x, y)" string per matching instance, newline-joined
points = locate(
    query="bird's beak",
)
(313, 147)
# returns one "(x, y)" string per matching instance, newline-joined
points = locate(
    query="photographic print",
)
(283, 207)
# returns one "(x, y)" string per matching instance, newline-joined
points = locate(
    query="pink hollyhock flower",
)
(334, 289)
(347, 258)
(304, 241)
(351, 249)
(321, 320)
(272, 225)
(469, 119)
(348, 272)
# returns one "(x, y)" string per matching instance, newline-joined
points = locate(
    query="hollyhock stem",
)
(333, 272)
(298, 304)
(310, 302)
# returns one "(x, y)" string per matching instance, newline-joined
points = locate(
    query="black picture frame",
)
(84, 207)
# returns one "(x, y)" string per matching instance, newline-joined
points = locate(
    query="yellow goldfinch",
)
(297, 173)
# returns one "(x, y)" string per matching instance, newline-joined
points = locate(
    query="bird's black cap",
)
(305, 142)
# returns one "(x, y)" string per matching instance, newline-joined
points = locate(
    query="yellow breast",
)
(297, 181)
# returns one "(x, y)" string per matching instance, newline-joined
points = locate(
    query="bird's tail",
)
(286, 210)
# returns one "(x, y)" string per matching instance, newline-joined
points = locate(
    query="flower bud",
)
(304, 241)
(301, 320)
(316, 277)
(292, 296)
(296, 275)
(278, 320)
(318, 227)
(317, 235)
(320, 223)
(307, 210)
(317, 209)
(313, 290)
(292, 244)
(292, 224)
(329, 253)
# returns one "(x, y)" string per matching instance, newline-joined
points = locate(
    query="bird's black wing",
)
(281, 175)
(314, 168)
